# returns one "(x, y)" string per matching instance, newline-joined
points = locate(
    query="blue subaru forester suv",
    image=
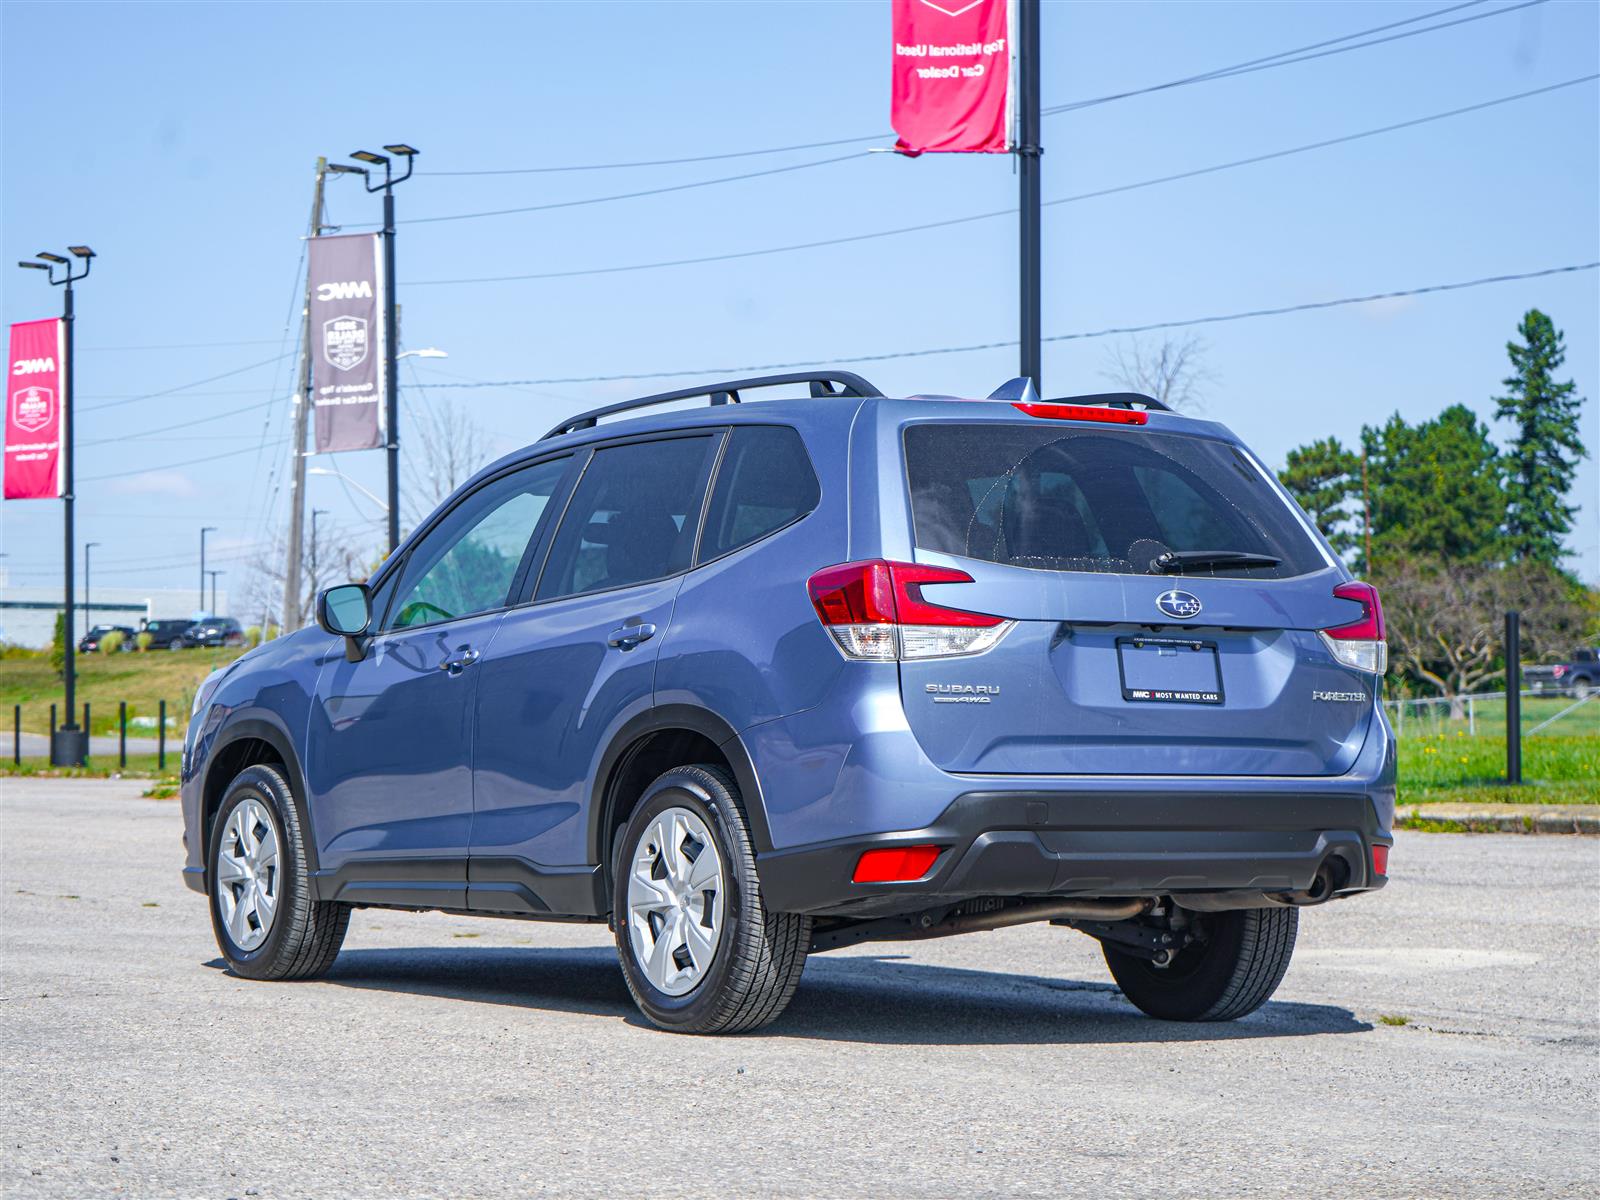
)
(751, 681)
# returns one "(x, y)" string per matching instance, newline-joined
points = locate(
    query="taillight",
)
(1080, 412)
(1359, 644)
(875, 610)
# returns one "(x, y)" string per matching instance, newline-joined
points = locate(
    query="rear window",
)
(1096, 500)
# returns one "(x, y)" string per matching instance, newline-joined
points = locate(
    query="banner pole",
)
(68, 755)
(1028, 151)
(391, 380)
(292, 613)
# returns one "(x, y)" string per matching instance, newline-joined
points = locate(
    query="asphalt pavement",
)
(1438, 1039)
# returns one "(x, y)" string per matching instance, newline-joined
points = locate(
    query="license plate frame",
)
(1188, 688)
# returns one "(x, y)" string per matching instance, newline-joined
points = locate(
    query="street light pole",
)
(391, 335)
(315, 513)
(87, 546)
(214, 575)
(69, 744)
(204, 529)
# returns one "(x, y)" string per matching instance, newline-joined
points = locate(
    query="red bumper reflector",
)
(1380, 860)
(896, 864)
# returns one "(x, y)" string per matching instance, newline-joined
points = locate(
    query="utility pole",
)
(315, 513)
(297, 450)
(1366, 518)
(1028, 153)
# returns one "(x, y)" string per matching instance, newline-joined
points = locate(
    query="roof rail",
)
(1115, 400)
(827, 383)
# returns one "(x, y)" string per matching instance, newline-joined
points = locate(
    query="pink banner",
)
(36, 385)
(950, 84)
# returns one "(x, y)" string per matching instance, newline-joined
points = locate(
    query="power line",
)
(183, 387)
(188, 462)
(181, 345)
(144, 433)
(1301, 54)
(1059, 337)
(657, 191)
(1217, 73)
(1006, 212)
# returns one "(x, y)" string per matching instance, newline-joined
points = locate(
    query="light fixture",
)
(48, 257)
(345, 169)
(367, 156)
(81, 251)
(37, 266)
(403, 150)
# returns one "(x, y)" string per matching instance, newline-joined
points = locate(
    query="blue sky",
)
(181, 147)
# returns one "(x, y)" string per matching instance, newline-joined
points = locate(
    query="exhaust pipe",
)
(1044, 910)
(1332, 874)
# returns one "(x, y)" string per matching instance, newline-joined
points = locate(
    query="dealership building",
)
(28, 614)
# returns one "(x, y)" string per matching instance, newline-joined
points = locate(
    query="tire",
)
(175, 644)
(1581, 689)
(302, 935)
(1230, 974)
(749, 974)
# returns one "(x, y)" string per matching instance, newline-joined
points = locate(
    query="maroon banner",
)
(36, 391)
(347, 342)
(951, 85)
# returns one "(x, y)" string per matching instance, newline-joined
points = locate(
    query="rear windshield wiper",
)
(1177, 560)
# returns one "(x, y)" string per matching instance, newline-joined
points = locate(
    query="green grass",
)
(143, 680)
(1456, 767)
(101, 766)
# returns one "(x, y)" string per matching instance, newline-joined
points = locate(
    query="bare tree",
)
(1446, 620)
(1171, 371)
(444, 448)
(341, 554)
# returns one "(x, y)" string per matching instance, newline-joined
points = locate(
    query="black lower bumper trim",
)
(1094, 844)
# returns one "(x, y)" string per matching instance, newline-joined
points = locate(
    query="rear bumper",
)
(1087, 843)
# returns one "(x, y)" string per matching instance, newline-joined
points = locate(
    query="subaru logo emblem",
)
(1180, 604)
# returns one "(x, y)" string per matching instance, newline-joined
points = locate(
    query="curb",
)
(1454, 818)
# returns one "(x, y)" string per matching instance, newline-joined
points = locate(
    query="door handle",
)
(454, 666)
(630, 636)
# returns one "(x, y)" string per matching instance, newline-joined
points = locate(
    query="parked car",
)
(165, 631)
(210, 631)
(761, 680)
(1576, 678)
(89, 643)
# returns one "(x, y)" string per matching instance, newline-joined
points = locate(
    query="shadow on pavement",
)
(880, 999)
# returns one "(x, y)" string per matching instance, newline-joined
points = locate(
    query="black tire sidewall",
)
(714, 804)
(266, 786)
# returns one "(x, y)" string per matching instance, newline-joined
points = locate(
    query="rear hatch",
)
(1123, 660)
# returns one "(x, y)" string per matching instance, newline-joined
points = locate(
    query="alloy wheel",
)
(676, 901)
(248, 877)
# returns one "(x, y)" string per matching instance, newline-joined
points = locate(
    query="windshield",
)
(1101, 500)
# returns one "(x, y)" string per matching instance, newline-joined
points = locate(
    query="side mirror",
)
(344, 610)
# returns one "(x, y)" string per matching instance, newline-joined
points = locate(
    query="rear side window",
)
(1096, 500)
(765, 481)
(632, 518)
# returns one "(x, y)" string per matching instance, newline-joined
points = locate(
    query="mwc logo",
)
(33, 366)
(357, 290)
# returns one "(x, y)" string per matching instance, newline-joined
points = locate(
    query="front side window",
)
(765, 481)
(1099, 500)
(467, 563)
(632, 518)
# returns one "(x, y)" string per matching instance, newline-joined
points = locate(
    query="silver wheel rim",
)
(675, 901)
(247, 874)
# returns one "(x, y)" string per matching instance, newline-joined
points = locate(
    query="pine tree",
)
(1323, 477)
(1435, 488)
(1545, 447)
